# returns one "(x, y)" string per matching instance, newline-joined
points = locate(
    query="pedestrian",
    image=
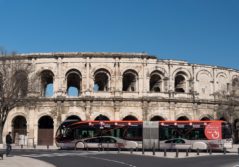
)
(8, 142)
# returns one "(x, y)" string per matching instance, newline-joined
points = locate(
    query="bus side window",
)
(84, 134)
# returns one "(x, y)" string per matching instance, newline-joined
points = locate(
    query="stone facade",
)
(118, 86)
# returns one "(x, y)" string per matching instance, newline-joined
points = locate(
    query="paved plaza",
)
(43, 157)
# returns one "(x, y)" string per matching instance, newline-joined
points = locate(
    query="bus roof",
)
(134, 121)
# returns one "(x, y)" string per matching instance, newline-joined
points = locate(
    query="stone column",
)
(87, 75)
(172, 111)
(35, 125)
(118, 78)
(34, 82)
(60, 89)
(114, 77)
(57, 118)
(117, 110)
(31, 125)
(88, 109)
(195, 111)
(145, 85)
(145, 107)
(60, 110)
(165, 85)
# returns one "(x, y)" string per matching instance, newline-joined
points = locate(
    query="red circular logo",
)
(213, 131)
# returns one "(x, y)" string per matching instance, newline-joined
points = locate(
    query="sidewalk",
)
(17, 161)
(174, 154)
(52, 148)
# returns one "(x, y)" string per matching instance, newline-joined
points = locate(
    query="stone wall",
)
(169, 89)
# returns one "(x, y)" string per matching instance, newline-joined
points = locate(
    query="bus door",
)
(150, 134)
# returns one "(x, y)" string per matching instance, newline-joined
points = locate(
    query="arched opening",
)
(73, 118)
(73, 83)
(20, 84)
(130, 118)
(47, 83)
(19, 125)
(101, 80)
(102, 118)
(157, 118)
(183, 118)
(180, 82)
(129, 81)
(155, 82)
(223, 119)
(235, 86)
(205, 119)
(45, 131)
(236, 131)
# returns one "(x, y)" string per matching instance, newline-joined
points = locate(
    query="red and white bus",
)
(170, 134)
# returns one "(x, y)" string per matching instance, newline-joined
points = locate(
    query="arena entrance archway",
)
(183, 118)
(19, 125)
(236, 130)
(102, 118)
(157, 118)
(45, 131)
(73, 117)
(130, 118)
(205, 119)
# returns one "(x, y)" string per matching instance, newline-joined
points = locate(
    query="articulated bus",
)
(134, 134)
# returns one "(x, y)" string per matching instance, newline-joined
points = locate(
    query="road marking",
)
(110, 160)
(61, 154)
(81, 154)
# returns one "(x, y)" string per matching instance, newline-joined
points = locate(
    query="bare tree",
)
(14, 73)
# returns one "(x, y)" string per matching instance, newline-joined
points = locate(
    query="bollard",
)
(210, 151)
(98, 148)
(224, 150)
(47, 146)
(131, 150)
(107, 145)
(34, 146)
(142, 149)
(165, 153)
(118, 149)
(187, 153)
(176, 153)
(238, 150)
(197, 151)
(153, 149)
(21, 146)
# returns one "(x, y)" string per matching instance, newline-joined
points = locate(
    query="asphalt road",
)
(73, 159)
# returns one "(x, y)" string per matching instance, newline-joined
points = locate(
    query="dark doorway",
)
(102, 118)
(130, 118)
(236, 131)
(157, 118)
(45, 131)
(73, 117)
(19, 125)
(183, 118)
(205, 119)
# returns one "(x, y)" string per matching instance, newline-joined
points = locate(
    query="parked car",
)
(183, 144)
(105, 142)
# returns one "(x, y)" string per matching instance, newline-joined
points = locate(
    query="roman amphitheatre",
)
(118, 86)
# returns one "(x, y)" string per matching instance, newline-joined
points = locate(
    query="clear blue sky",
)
(198, 31)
